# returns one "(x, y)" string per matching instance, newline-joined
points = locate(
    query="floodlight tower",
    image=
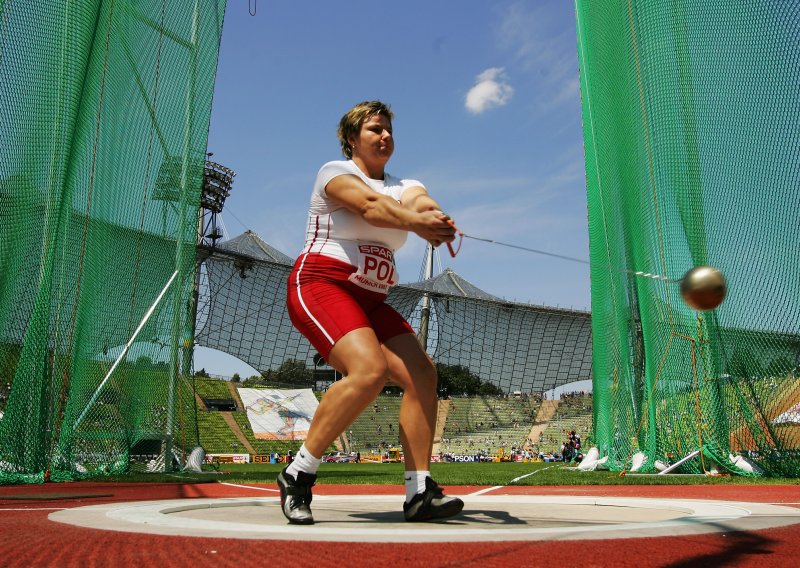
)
(217, 185)
(170, 188)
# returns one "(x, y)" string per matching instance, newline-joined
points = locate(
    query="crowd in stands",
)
(482, 426)
(376, 429)
(574, 413)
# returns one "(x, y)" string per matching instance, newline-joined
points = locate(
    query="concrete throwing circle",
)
(379, 518)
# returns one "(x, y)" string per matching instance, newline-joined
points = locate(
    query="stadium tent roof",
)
(250, 244)
(448, 282)
(518, 347)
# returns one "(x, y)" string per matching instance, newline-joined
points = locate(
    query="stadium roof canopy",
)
(450, 283)
(518, 347)
(250, 244)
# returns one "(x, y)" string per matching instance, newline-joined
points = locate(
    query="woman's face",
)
(375, 140)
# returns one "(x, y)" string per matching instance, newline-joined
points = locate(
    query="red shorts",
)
(324, 305)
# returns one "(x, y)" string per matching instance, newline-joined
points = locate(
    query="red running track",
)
(29, 539)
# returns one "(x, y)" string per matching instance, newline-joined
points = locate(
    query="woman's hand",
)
(435, 227)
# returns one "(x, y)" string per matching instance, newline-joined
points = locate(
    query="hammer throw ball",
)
(703, 288)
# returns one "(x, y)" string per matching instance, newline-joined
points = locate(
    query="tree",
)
(202, 373)
(293, 372)
(236, 378)
(459, 380)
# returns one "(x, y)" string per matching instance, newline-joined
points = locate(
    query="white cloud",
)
(491, 90)
(543, 47)
(533, 33)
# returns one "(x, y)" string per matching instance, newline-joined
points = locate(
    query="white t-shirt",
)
(335, 231)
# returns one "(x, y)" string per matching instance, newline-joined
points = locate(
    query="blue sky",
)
(487, 115)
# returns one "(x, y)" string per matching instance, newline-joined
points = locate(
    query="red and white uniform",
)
(341, 278)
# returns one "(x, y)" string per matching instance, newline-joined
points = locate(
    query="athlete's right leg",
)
(330, 313)
(334, 321)
(359, 357)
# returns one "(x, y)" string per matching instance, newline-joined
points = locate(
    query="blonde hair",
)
(351, 122)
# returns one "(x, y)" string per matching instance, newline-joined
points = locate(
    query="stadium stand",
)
(216, 436)
(376, 428)
(231, 432)
(487, 424)
(466, 425)
(214, 394)
(574, 413)
(262, 446)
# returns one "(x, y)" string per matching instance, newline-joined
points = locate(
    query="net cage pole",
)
(124, 352)
(178, 328)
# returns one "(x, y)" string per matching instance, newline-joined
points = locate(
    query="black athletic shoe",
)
(431, 504)
(296, 496)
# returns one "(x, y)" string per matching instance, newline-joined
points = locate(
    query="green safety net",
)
(691, 113)
(104, 119)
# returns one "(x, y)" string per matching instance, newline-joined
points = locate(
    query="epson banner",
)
(466, 459)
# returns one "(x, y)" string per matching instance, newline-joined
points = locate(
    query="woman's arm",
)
(417, 212)
(418, 199)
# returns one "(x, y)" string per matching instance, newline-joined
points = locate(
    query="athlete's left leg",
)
(411, 369)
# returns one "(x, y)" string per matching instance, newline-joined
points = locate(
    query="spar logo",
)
(378, 264)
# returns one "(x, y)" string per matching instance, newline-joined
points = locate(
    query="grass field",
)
(536, 473)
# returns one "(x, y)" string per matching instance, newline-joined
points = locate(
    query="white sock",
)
(303, 461)
(415, 483)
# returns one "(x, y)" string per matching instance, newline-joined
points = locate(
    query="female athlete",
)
(358, 217)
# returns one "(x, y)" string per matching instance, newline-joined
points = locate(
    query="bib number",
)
(375, 269)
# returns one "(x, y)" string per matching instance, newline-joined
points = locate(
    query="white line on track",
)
(531, 473)
(482, 491)
(249, 487)
(36, 509)
(489, 489)
(575, 518)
